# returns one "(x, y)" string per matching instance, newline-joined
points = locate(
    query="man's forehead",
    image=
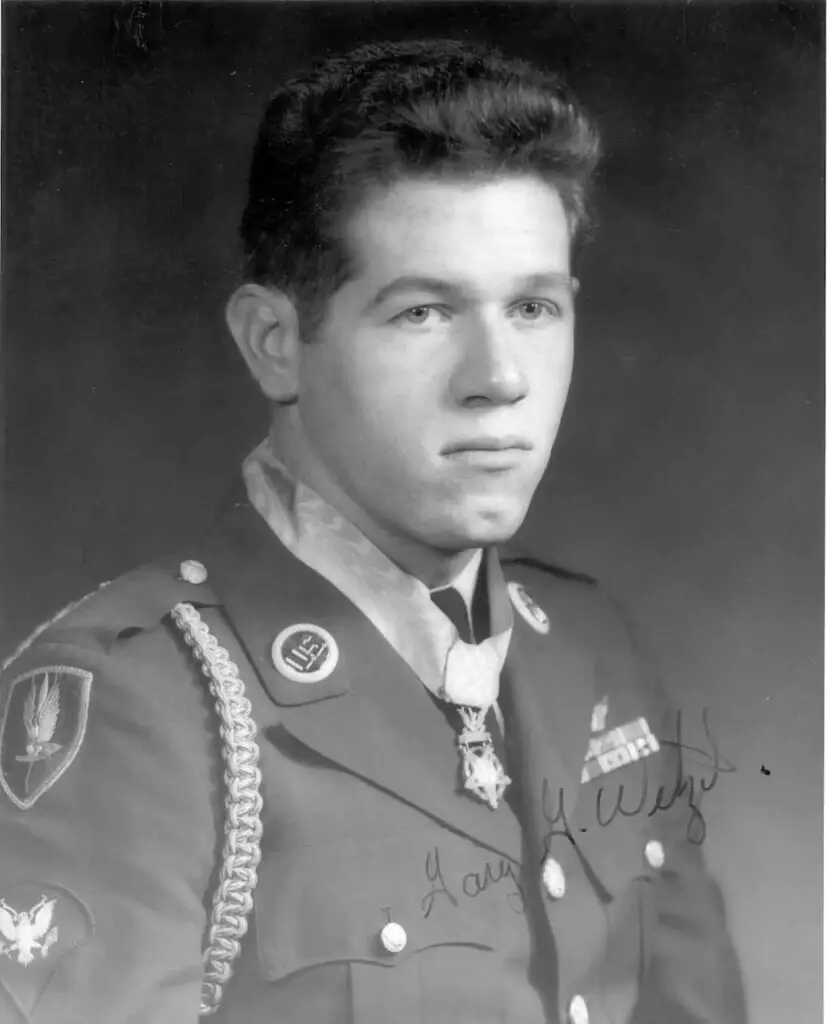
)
(440, 199)
(458, 232)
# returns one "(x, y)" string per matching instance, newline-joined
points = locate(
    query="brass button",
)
(654, 853)
(393, 937)
(578, 1011)
(554, 879)
(193, 572)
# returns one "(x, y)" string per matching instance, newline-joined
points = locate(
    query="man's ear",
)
(265, 325)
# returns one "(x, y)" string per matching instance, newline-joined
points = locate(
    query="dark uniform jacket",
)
(124, 901)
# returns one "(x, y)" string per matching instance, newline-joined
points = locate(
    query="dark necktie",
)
(449, 600)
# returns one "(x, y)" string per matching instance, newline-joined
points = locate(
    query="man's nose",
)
(490, 369)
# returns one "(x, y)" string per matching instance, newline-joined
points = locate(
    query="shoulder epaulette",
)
(138, 599)
(553, 570)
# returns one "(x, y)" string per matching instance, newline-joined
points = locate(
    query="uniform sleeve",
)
(109, 829)
(693, 974)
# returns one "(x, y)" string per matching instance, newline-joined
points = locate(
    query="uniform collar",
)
(465, 582)
(371, 715)
(372, 718)
(397, 604)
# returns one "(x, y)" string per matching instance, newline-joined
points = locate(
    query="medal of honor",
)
(484, 775)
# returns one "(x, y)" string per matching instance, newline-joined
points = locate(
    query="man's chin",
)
(484, 528)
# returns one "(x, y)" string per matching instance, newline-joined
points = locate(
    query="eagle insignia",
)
(41, 730)
(27, 933)
(40, 924)
(40, 719)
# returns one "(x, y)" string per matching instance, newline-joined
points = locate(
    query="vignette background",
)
(688, 474)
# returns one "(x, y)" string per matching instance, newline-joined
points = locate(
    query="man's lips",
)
(488, 444)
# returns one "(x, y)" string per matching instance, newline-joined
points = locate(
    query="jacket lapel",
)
(550, 681)
(371, 715)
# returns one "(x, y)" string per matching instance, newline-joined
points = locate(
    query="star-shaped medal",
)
(482, 770)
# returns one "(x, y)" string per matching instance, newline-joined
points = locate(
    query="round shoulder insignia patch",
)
(528, 608)
(305, 653)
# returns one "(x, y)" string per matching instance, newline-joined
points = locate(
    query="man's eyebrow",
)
(553, 279)
(417, 282)
(413, 283)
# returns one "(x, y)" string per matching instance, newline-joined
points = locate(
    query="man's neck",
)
(434, 567)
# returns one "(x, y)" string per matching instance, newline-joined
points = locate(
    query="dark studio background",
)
(688, 472)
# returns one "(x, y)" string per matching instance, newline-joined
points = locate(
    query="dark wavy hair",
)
(390, 111)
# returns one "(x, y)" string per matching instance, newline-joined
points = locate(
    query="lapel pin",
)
(599, 715)
(528, 608)
(305, 653)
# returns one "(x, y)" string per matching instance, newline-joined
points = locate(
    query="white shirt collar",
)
(399, 605)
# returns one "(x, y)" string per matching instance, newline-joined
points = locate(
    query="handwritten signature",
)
(665, 797)
(473, 883)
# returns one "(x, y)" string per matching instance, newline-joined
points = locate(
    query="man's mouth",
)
(509, 442)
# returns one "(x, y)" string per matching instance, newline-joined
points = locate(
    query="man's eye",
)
(416, 315)
(533, 309)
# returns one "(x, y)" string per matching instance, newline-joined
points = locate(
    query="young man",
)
(345, 759)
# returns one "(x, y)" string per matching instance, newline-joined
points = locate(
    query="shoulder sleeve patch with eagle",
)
(39, 924)
(43, 715)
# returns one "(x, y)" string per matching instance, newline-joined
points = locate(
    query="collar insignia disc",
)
(305, 653)
(528, 607)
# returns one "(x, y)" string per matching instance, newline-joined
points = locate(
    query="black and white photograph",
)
(412, 512)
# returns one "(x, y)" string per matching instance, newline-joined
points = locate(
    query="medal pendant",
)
(482, 770)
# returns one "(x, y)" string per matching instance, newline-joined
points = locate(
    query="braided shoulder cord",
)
(233, 900)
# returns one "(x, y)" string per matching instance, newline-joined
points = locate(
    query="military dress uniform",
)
(226, 792)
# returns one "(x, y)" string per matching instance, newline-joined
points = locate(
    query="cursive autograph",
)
(433, 872)
(475, 883)
(607, 808)
(472, 884)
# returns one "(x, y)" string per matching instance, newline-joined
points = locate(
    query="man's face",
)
(433, 393)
